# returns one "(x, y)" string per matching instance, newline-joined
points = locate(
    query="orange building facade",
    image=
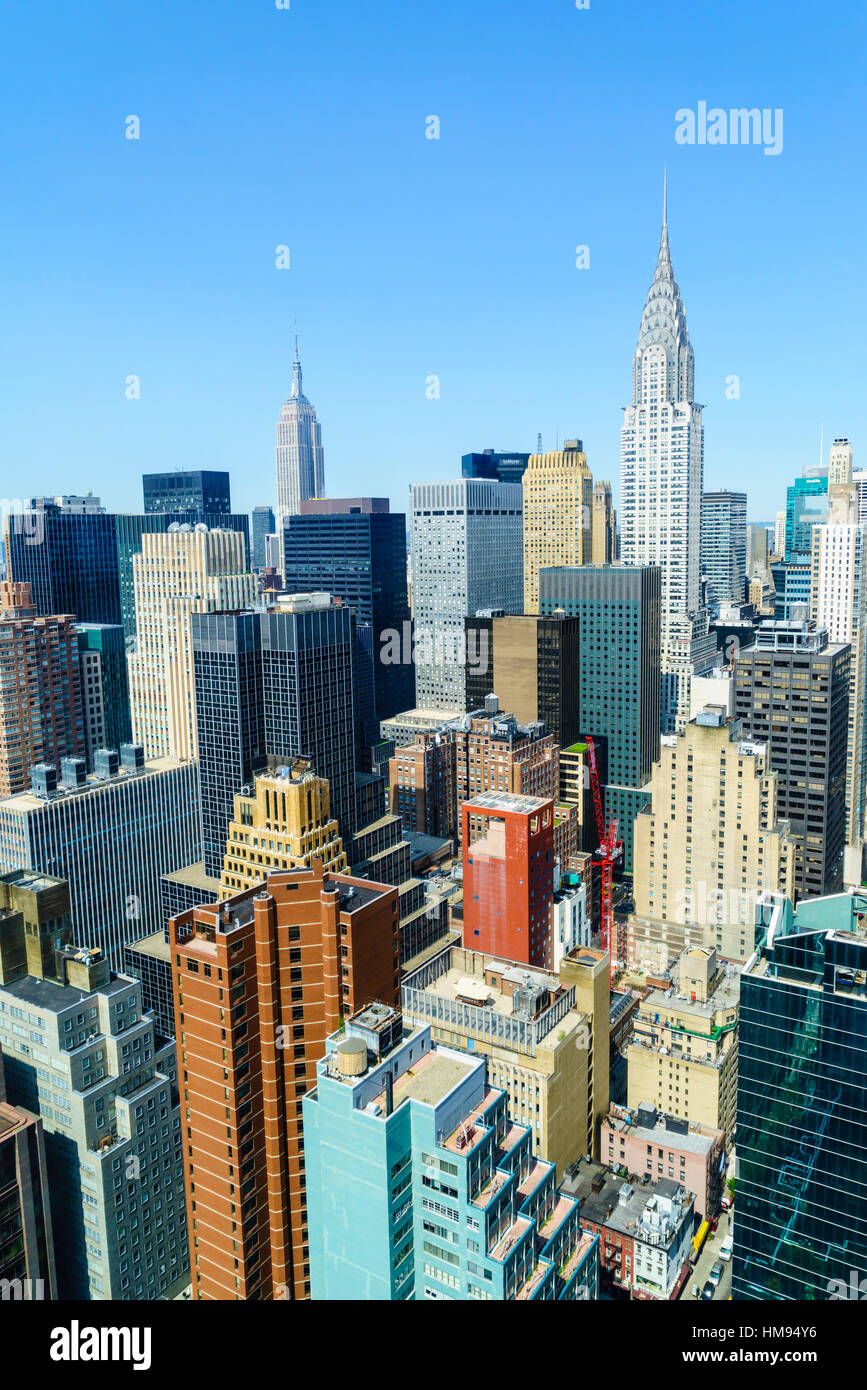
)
(508, 860)
(260, 981)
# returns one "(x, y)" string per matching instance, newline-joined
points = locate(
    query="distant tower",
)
(299, 456)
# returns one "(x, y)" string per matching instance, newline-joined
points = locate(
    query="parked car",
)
(725, 1250)
(708, 1291)
(716, 1274)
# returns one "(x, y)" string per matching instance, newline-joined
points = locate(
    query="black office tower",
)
(358, 556)
(503, 468)
(792, 693)
(69, 559)
(197, 491)
(271, 686)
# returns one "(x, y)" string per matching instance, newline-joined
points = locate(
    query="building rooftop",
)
(616, 1203)
(726, 996)
(194, 876)
(155, 945)
(506, 801)
(26, 801)
(49, 995)
(681, 1134)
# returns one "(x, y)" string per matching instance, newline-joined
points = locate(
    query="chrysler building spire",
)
(662, 446)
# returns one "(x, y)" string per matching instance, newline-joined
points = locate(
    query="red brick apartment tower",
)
(508, 853)
(260, 981)
(42, 718)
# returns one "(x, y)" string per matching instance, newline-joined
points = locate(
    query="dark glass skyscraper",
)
(619, 674)
(102, 650)
(263, 525)
(503, 468)
(271, 686)
(69, 559)
(800, 1229)
(359, 557)
(198, 491)
(792, 693)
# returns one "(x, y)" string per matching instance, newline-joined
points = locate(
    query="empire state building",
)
(661, 460)
(299, 455)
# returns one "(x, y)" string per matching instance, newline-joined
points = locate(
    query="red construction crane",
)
(609, 851)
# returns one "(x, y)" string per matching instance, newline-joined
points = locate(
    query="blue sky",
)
(411, 257)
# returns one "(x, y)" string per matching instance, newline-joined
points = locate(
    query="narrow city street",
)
(706, 1260)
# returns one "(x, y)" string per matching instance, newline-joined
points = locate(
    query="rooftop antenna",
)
(539, 442)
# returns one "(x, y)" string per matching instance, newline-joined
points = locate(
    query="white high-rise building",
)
(662, 454)
(724, 545)
(299, 456)
(838, 595)
(181, 571)
(466, 555)
(780, 535)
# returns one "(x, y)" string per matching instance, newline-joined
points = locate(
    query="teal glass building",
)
(419, 1186)
(806, 507)
(800, 1222)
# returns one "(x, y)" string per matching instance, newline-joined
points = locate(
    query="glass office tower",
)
(800, 1220)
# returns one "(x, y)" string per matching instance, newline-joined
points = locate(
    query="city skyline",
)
(195, 307)
(441, 875)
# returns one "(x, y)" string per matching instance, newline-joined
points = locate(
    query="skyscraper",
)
(801, 1227)
(261, 981)
(532, 664)
(421, 1184)
(711, 838)
(466, 555)
(284, 824)
(111, 836)
(199, 491)
(724, 545)
(838, 590)
(618, 607)
(662, 452)
(69, 559)
(503, 468)
(105, 1086)
(41, 716)
(355, 549)
(806, 507)
(104, 687)
(603, 549)
(130, 528)
(300, 457)
(177, 574)
(509, 877)
(272, 686)
(263, 525)
(27, 1268)
(792, 693)
(558, 514)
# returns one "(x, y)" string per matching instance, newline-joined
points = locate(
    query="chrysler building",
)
(661, 460)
